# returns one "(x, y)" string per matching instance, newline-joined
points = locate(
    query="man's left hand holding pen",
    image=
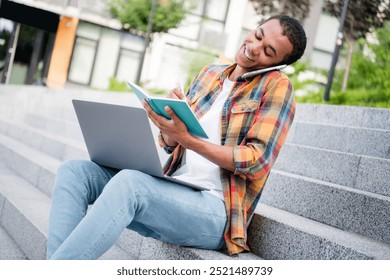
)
(174, 130)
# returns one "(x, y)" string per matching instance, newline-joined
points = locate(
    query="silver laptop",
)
(121, 137)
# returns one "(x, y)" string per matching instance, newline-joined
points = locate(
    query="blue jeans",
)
(150, 206)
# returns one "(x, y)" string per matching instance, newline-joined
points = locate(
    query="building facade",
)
(70, 42)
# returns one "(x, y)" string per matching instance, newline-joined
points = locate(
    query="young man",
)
(247, 124)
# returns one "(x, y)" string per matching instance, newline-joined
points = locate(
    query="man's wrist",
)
(168, 141)
(169, 149)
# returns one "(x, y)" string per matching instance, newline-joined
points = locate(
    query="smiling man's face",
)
(263, 47)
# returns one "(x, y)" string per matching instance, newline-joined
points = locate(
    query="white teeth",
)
(248, 56)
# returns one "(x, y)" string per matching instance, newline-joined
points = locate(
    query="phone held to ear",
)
(258, 72)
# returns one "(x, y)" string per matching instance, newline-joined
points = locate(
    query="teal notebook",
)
(180, 107)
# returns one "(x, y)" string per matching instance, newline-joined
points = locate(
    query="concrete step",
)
(35, 167)
(53, 113)
(66, 129)
(355, 140)
(49, 143)
(278, 234)
(151, 249)
(24, 216)
(37, 120)
(57, 103)
(37, 99)
(331, 204)
(370, 174)
(25, 213)
(9, 250)
(350, 116)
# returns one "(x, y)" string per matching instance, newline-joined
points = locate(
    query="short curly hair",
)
(295, 33)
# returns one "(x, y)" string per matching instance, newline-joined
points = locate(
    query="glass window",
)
(320, 59)
(82, 61)
(189, 27)
(216, 9)
(212, 34)
(88, 30)
(199, 7)
(132, 42)
(128, 65)
(327, 25)
(173, 68)
(212, 25)
(251, 19)
(106, 58)
(6, 28)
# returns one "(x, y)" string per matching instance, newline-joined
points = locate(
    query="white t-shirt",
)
(198, 169)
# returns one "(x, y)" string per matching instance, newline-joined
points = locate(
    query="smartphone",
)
(261, 71)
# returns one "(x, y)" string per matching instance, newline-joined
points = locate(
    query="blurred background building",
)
(77, 43)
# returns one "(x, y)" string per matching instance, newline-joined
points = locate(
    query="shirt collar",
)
(227, 72)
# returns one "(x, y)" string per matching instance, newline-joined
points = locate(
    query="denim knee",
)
(128, 180)
(82, 177)
(74, 166)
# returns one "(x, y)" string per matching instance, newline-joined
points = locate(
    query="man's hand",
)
(174, 130)
(177, 93)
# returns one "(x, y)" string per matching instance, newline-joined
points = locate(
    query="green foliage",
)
(311, 97)
(372, 70)
(300, 67)
(368, 83)
(119, 86)
(352, 97)
(305, 78)
(134, 14)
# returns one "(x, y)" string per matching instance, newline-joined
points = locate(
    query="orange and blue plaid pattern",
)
(255, 120)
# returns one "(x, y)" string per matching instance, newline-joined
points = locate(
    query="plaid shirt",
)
(255, 119)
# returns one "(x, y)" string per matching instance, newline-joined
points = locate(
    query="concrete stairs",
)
(328, 196)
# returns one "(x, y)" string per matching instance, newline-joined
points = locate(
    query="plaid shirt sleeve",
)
(266, 136)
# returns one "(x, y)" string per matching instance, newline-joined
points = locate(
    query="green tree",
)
(369, 83)
(370, 62)
(363, 17)
(298, 9)
(134, 14)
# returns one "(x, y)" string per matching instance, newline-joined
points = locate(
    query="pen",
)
(182, 89)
